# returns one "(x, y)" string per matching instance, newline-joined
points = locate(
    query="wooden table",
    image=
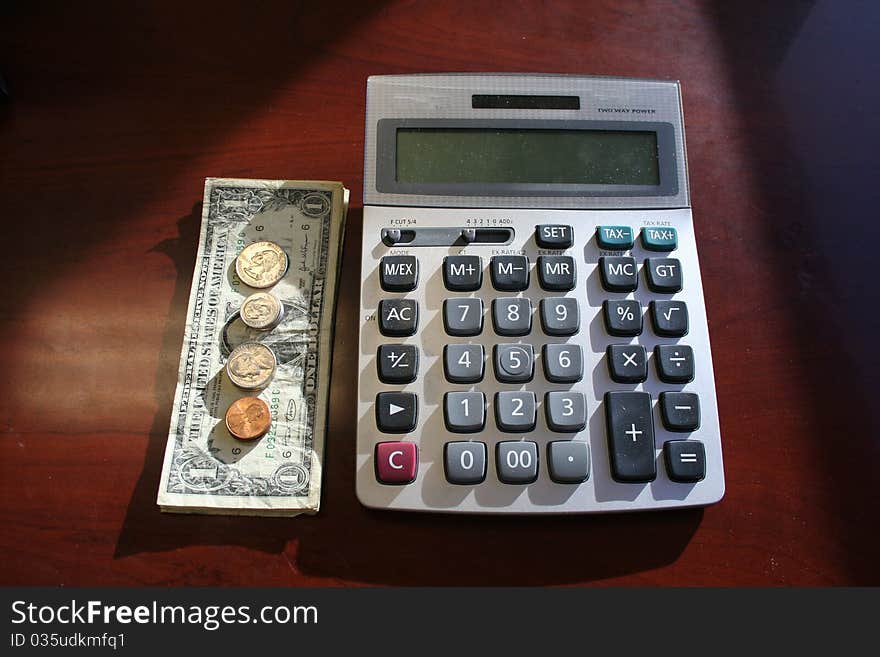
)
(116, 116)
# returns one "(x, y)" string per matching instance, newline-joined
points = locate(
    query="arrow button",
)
(396, 412)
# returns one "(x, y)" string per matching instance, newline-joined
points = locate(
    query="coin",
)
(262, 311)
(248, 418)
(261, 264)
(251, 365)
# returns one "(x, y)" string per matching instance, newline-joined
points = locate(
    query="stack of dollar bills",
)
(206, 469)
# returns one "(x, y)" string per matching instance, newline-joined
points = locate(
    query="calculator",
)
(533, 334)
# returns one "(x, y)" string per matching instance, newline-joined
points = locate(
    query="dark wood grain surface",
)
(116, 115)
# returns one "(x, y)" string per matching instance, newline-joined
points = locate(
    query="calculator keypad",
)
(580, 391)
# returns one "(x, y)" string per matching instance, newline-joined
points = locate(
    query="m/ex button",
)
(396, 462)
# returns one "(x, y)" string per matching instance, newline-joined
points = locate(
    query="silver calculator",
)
(533, 333)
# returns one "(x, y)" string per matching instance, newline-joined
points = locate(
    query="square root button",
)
(396, 462)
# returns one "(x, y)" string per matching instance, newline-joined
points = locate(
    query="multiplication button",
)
(627, 363)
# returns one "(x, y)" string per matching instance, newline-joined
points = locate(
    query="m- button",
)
(396, 462)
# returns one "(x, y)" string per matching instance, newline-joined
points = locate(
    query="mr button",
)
(399, 273)
(398, 317)
(396, 462)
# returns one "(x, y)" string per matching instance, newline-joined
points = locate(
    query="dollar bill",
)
(206, 470)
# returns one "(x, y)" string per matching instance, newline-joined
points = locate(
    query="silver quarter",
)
(251, 366)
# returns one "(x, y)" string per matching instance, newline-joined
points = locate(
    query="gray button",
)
(675, 363)
(463, 316)
(566, 411)
(463, 363)
(464, 412)
(515, 411)
(623, 317)
(627, 363)
(563, 363)
(670, 318)
(568, 461)
(463, 273)
(514, 363)
(510, 273)
(512, 316)
(465, 462)
(560, 315)
(398, 317)
(516, 462)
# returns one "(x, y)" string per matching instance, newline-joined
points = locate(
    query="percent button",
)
(622, 317)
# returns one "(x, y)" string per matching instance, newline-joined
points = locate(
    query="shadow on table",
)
(347, 541)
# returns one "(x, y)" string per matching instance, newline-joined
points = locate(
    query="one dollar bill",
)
(207, 470)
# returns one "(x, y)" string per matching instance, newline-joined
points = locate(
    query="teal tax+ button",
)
(659, 239)
(614, 238)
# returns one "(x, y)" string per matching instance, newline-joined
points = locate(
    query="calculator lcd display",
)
(505, 156)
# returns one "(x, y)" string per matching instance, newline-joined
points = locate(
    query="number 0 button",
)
(465, 463)
(516, 462)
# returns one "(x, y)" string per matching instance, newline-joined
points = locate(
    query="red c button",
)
(396, 462)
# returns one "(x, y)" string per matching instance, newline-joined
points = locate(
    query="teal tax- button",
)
(659, 239)
(614, 238)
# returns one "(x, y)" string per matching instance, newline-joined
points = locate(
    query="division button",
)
(680, 411)
(622, 317)
(512, 315)
(397, 363)
(463, 317)
(627, 363)
(515, 411)
(396, 462)
(516, 462)
(398, 273)
(560, 315)
(670, 318)
(618, 273)
(614, 238)
(396, 412)
(685, 460)
(463, 363)
(463, 273)
(568, 461)
(554, 236)
(464, 412)
(465, 463)
(566, 411)
(514, 363)
(563, 363)
(660, 239)
(509, 273)
(556, 273)
(398, 317)
(630, 431)
(674, 363)
(663, 274)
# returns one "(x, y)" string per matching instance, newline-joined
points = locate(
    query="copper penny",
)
(248, 418)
